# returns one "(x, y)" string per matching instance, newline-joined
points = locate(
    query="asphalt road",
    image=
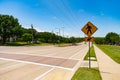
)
(40, 62)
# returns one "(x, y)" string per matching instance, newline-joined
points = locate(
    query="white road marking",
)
(27, 62)
(39, 77)
(77, 65)
(76, 54)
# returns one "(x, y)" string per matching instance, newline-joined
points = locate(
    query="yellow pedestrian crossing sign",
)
(89, 29)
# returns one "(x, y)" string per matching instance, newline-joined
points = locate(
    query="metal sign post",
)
(89, 29)
(89, 55)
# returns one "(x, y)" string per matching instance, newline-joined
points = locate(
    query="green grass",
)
(14, 44)
(87, 74)
(92, 54)
(112, 51)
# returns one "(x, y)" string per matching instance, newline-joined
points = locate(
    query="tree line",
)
(111, 38)
(12, 31)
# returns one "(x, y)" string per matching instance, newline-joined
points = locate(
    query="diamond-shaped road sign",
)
(89, 29)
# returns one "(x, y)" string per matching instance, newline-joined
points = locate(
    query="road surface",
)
(40, 62)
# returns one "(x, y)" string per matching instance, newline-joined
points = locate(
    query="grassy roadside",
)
(92, 54)
(84, 73)
(14, 44)
(112, 51)
(87, 74)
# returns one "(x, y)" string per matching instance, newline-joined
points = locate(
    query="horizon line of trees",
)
(111, 38)
(12, 31)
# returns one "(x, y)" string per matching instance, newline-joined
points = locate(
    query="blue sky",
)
(68, 15)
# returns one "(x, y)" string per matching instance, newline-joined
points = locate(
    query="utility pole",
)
(53, 41)
(32, 33)
(63, 31)
(59, 31)
(58, 35)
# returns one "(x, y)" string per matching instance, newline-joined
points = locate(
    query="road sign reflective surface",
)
(89, 29)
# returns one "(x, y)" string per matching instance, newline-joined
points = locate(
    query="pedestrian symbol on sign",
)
(89, 29)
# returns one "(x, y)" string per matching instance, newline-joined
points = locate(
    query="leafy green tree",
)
(99, 40)
(27, 37)
(67, 40)
(9, 27)
(79, 40)
(112, 38)
(46, 37)
(16, 33)
(72, 40)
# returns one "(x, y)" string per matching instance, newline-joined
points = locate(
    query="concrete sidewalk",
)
(109, 69)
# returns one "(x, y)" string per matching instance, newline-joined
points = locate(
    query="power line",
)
(69, 21)
(62, 12)
(69, 10)
(59, 19)
(71, 13)
(74, 18)
(68, 18)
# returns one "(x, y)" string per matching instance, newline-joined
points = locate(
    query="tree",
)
(79, 40)
(112, 38)
(46, 37)
(16, 32)
(27, 37)
(9, 27)
(72, 39)
(99, 40)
